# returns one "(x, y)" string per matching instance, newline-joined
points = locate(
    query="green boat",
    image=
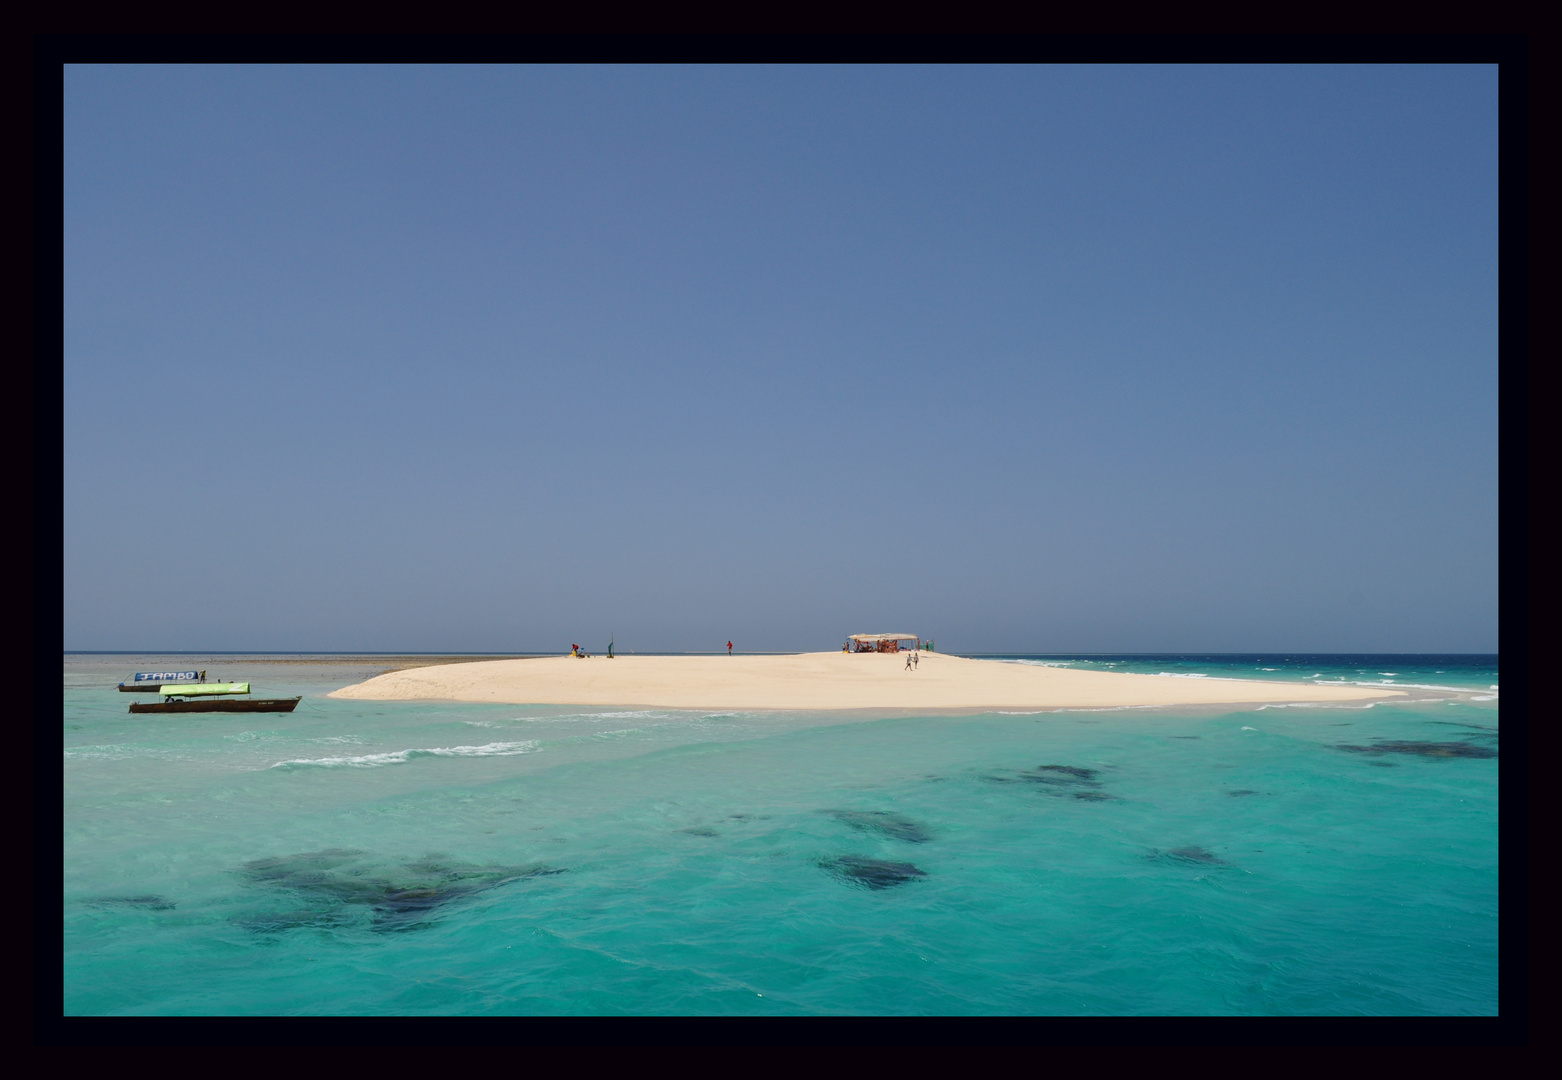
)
(202, 689)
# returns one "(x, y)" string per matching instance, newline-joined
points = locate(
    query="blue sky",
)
(1052, 359)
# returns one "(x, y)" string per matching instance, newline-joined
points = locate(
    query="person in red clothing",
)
(729, 648)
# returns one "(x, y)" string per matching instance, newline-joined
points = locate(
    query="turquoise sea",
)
(369, 858)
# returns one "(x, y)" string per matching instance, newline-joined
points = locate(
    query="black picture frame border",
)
(38, 442)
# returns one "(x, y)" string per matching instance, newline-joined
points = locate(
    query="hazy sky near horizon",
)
(1023, 359)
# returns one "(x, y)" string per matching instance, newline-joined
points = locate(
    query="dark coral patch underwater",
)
(1065, 774)
(1059, 780)
(1484, 729)
(398, 895)
(1196, 856)
(883, 822)
(146, 901)
(872, 873)
(1424, 749)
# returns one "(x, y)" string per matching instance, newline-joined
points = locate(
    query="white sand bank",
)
(831, 680)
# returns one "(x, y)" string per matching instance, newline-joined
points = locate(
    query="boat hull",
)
(217, 705)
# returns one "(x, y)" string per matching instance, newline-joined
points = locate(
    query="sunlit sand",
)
(831, 680)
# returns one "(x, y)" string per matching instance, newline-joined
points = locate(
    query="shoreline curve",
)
(823, 681)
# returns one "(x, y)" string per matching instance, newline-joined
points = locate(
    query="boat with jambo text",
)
(148, 682)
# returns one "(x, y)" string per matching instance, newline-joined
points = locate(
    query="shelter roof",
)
(884, 637)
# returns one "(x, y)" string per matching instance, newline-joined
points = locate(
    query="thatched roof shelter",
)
(883, 642)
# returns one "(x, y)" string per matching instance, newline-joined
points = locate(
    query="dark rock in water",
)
(398, 897)
(700, 831)
(1079, 774)
(1486, 728)
(149, 901)
(401, 907)
(1438, 749)
(884, 822)
(1424, 749)
(1241, 792)
(1061, 776)
(872, 873)
(1196, 855)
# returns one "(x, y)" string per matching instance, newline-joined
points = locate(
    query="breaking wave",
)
(1414, 686)
(109, 751)
(1319, 705)
(369, 761)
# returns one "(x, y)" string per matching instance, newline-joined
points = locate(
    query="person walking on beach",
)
(729, 648)
(916, 660)
(908, 661)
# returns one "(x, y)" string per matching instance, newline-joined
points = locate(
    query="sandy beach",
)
(831, 680)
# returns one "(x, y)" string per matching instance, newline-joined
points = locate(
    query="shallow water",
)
(371, 858)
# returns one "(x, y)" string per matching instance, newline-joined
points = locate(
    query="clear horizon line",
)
(521, 653)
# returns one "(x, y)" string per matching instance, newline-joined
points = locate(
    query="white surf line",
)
(397, 757)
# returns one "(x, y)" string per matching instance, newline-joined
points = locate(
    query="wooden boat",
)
(212, 697)
(217, 705)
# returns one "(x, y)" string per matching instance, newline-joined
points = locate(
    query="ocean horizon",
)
(417, 858)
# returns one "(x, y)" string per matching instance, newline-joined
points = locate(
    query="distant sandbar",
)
(832, 680)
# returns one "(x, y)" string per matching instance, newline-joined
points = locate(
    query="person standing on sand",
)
(908, 661)
(916, 660)
(729, 648)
